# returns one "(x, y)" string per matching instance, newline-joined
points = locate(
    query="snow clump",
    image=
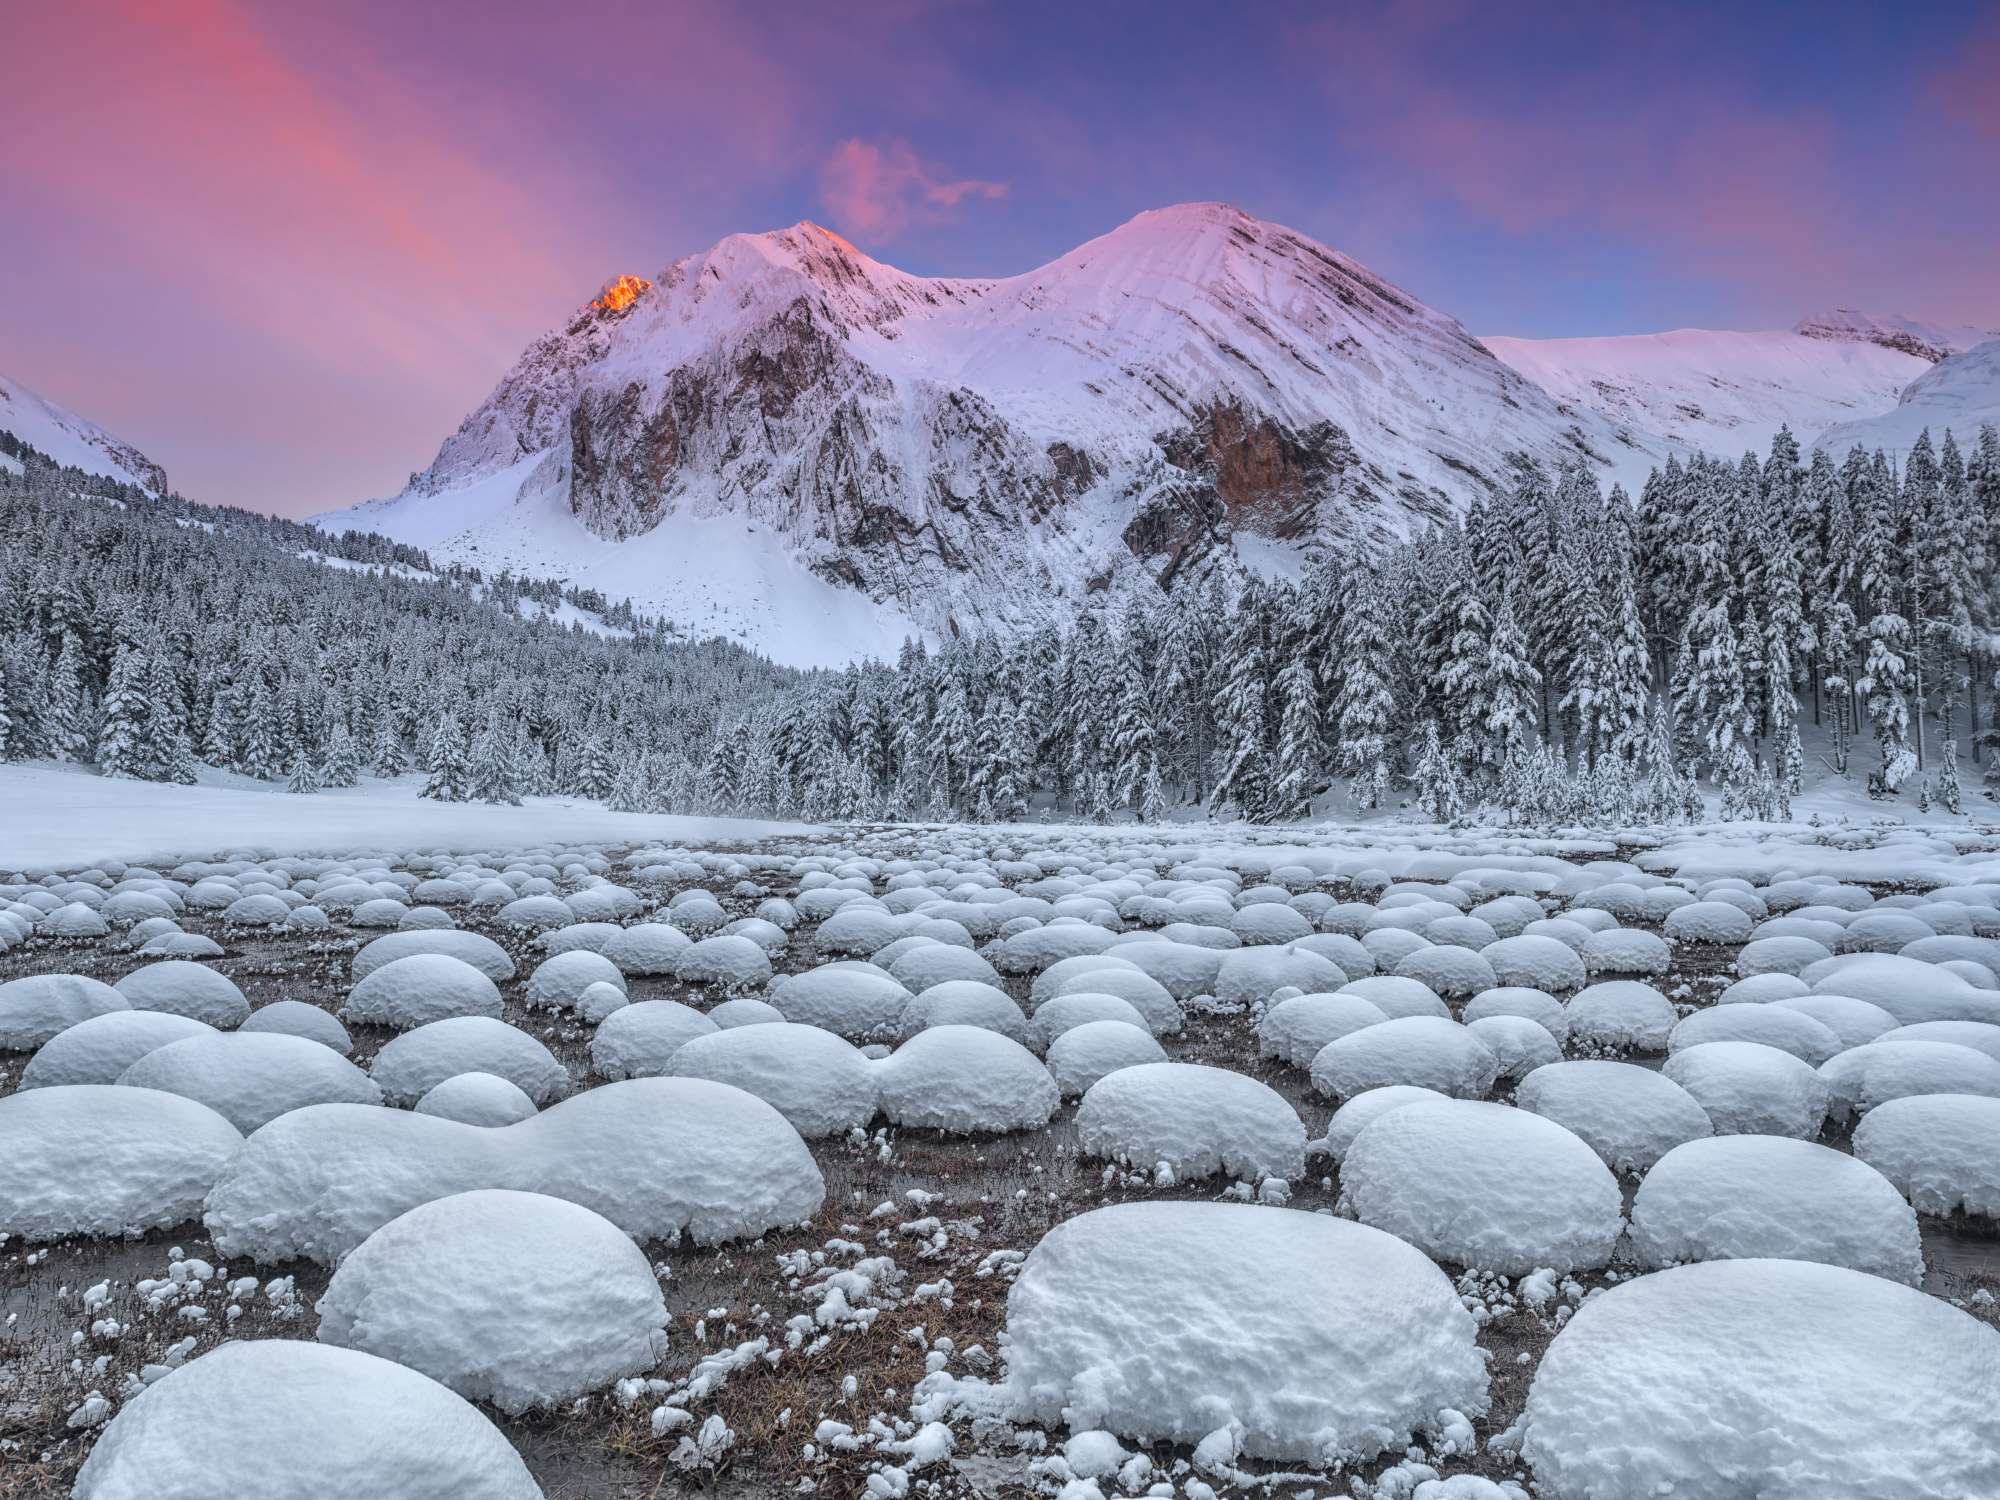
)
(1621, 1014)
(1197, 1120)
(515, 1298)
(418, 1061)
(1539, 963)
(485, 955)
(1359, 1112)
(816, 1080)
(1863, 1077)
(476, 1099)
(559, 982)
(1427, 1051)
(1084, 1054)
(250, 1078)
(1790, 1031)
(853, 1000)
(640, 1040)
(1942, 1151)
(1629, 1115)
(102, 1048)
(296, 1018)
(424, 987)
(186, 989)
(1296, 1029)
(35, 1008)
(965, 1078)
(1747, 1088)
(964, 1002)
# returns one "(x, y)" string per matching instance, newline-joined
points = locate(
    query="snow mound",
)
(965, 1078)
(1296, 1029)
(1980, 1036)
(1745, 1197)
(816, 1080)
(1853, 1021)
(1181, 968)
(1363, 1109)
(939, 963)
(476, 1099)
(1942, 1151)
(1708, 922)
(1269, 922)
(1518, 1044)
(858, 928)
(1084, 1054)
(640, 1040)
(420, 1059)
(284, 1420)
(1142, 992)
(559, 982)
(1485, 1186)
(1248, 976)
(1625, 950)
(1138, 1319)
(296, 1018)
(250, 1078)
(485, 955)
(1779, 955)
(1065, 1011)
(734, 963)
(419, 989)
(1397, 996)
(1049, 983)
(745, 1012)
(1748, 1088)
(1427, 1051)
(186, 989)
(854, 1000)
(35, 1008)
(590, 935)
(1539, 963)
(1622, 1014)
(1629, 1115)
(1538, 1006)
(102, 1048)
(656, 1156)
(1863, 1077)
(599, 1000)
(1789, 1030)
(1198, 1120)
(1909, 990)
(1448, 970)
(1761, 989)
(515, 1298)
(649, 948)
(1780, 1379)
(536, 914)
(964, 1002)
(99, 1159)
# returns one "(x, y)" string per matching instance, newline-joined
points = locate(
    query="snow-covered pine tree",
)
(67, 707)
(389, 758)
(1298, 763)
(1440, 791)
(124, 745)
(1885, 684)
(183, 766)
(1511, 690)
(1365, 707)
(492, 775)
(598, 769)
(343, 766)
(446, 771)
(1133, 744)
(1242, 714)
(303, 776)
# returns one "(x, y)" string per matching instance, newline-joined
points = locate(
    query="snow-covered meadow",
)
(1032, 1159)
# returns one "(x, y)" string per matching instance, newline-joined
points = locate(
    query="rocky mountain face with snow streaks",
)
(971, 447)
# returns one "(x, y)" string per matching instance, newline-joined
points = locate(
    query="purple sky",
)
(286, 249)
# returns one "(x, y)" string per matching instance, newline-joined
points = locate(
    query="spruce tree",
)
(343, 766)
(446, 772)
(302, 776)
(124, 745)
(492, 775)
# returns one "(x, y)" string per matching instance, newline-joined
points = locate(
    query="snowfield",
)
(1109, 1199)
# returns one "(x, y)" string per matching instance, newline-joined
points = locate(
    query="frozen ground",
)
(889, 1312)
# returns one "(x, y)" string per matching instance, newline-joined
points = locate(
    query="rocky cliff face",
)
(974, 449)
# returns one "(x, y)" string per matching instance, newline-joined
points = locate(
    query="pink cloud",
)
(874, 193)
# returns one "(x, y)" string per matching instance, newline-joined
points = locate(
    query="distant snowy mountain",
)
(1195, 388)
(1957, 394)
(1931, 341)
(1722, 393)
(69, 439)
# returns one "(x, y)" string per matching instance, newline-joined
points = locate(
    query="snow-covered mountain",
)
(1722, 393)
(1196, 386)
(1930, 341)
(1955, 395)
(69, 439)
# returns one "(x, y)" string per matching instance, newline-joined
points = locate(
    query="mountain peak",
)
(1931, 341)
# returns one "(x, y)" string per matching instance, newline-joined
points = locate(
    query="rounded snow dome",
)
(238, 1420)
(559, 982)
(1141, 991)
(1540, 963)
(1296, 1029)
(1084, 1054)
(35, 1008)
(1779, 954)
(1359, 1112)
(417, 990)
(746, 1012)
(250, 1077)
(485, 955)
(640, 1040)
(1855, 1022)
(1781, 1379)
(1747, 1088)
(1484, 1186)
(1942, 1151)
(935, 963)
(1909, 990)
(1708, 922)
(1518, 1045)
(1427, 1051)
(816, 1080)
(649, 948)
(419, 1060)
(964, 1002)
(1182, 969)
(1621, 1014)
(1761, 989)
(965, 1078)
(1060, 1014)
(1265, 922)
(734, 963)
(186, 989)
(853, 1000)
(1863, 1077)
(1397, 996)
(296, 1018)
(1631, 1116)
(99, 1159)
(1739, 1197)
(1050, 982)
(1197, 1120)
(102, 1048)
(510, 1297)
(1538, 1006)
(1448, 970)
(484, 1099)
(1769, 1025)
(1249, 976)
(1135, 1319)
(1625, 950)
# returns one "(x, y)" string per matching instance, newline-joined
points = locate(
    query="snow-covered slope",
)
(1723, 393)
(1957, 394)
(1930, 341)
(69, 439)
(783, 406)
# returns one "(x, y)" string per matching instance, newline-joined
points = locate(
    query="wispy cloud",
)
(876, 192)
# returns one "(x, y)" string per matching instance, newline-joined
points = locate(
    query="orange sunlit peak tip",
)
(621, 294)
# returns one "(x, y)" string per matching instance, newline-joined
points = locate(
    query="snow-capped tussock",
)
(655, 1156)
(640, 1040)
(1863, 1077)
(1747, 1196)
(477, 1099)
(1084, 1054)
(1485, 1186)
(417, 990)
(1775, 1378)
(1747, 1088)
(816, 1080)
(1198, 1120)
(98, 1050)
(485, 955)
(1296, 1029)
(1192, 374)
(1136, 1319)
(186, 989)
(1629, 1115)
(35, 1008)
(853, 1000)
(420, 1059)
(965, 1078)
(1942, 1151)
(1426, 1051)
(515, 1298)
(99, 1159)
(296, 1018)
(250, 1078)
(286, 1420)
